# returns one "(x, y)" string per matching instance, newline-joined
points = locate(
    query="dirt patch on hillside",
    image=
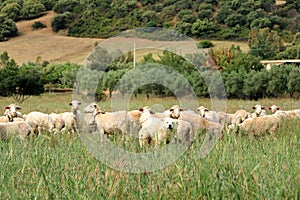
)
(55, 48)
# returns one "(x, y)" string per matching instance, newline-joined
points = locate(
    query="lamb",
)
(39, 122)
(20, 129)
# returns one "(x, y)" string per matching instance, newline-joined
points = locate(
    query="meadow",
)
(239, 167)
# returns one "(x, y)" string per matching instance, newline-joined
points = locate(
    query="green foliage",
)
(62, 6)
(205, 44)
(19, 82)
(265, 43)
(38, 25)
(203, 27)
(32, 9)
(8, 28)
(61, 21)
(293, 81)
(12, 10)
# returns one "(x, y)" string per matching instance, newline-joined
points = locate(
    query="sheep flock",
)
(143, 123)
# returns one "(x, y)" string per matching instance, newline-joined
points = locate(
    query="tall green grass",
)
(239, 167)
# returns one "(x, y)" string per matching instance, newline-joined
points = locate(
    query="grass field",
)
(239, 167)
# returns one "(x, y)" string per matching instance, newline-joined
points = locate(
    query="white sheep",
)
(20, 129)
(73, 120)
(184, 131)
(260, 125)
(213, 116)
(39, 122)
(283, 114)
(239, 116)
(11, 112)
(199, 123)
(153, 128)
(58, 121)
(111, 122)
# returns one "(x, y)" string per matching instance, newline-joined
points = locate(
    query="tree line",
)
(218, 19)
(242, 76)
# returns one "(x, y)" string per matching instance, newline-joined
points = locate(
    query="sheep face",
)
(11, 110)
(75, 104)
(90, 108)
(202, 111)
(175, 112)
(170, 123)
(258, 109)
(274, 108)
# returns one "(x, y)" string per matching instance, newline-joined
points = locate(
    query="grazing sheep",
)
(20, 129)
(111, 122)
(283, 114)
(199, 123)
(58, 122)
(70, 122)
(39, 122)
(260, 125)
(239, 116)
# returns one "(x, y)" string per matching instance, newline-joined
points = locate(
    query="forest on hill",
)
(218, 19)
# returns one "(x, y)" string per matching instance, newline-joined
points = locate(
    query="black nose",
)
(170, 126)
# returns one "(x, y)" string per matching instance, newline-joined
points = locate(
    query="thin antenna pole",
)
(133, 54)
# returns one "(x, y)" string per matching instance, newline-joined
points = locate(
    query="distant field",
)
(58, 48)
(239, 167)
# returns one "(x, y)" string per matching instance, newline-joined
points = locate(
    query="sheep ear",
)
(180, 109)
(70, 103)
(171, 109)
(277, 108)
(270, 108)
(141, 109)
(263, 107)
(79, 103)
(253, 107)
(7, 107)
(18, 108)
(152, 112)
(206, 109)
(95, 106)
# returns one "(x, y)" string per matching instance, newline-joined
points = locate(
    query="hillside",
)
(52, 47)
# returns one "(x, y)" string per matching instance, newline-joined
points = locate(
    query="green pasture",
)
(239, 167)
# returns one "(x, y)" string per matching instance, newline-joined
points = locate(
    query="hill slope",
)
(43, 43)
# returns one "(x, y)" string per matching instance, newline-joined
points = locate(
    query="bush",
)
(32, 9)
(205, 44)
(7, 28)
(61, 21)
(38, 25)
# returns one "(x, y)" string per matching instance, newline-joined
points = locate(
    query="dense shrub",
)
(38, 25)
(8, 28)
(32, 9)
(205, 44)
(61, 21)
